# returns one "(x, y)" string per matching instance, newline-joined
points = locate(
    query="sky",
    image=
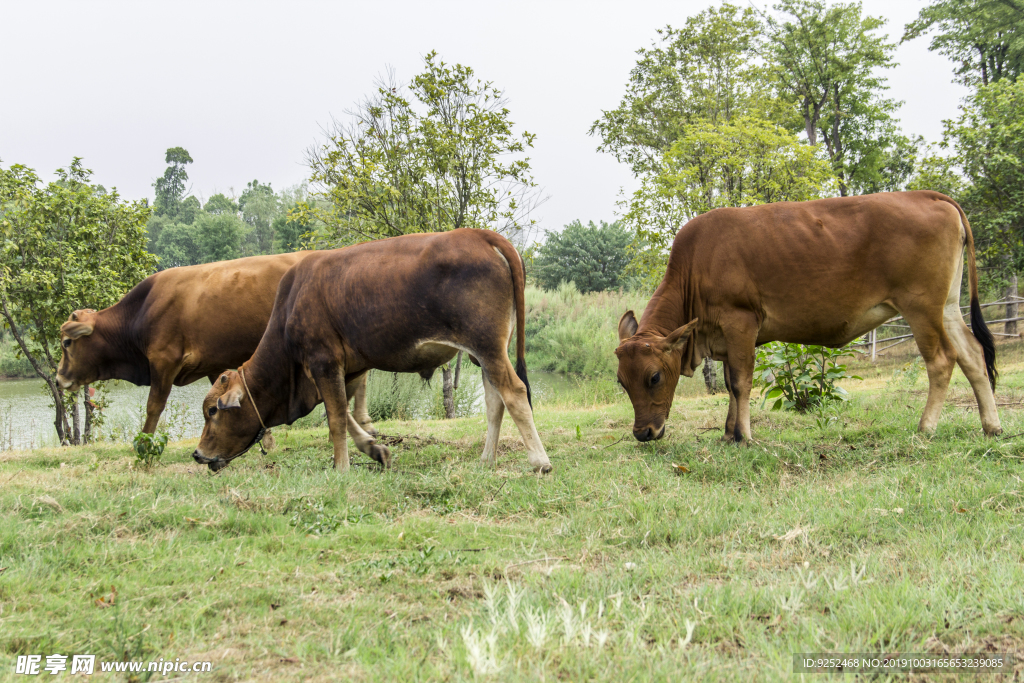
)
(247, 87)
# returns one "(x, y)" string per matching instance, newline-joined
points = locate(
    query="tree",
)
(744, 163)
(259, 206)
(170, 189)
(708, 71)
(218, 204)
(219, 236)
(178, 245)
(827, 58)
(446, 157)
(984, 36)
(988, 140)
(67, 245)
(594, 257)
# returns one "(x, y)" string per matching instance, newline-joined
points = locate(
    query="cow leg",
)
(331, 385)
(939, 356)
(730, 419)
(500, 373)
(159, 390)
(971, 359)
(740, 335)
(365, 441)
(495, 413)
(357, 390)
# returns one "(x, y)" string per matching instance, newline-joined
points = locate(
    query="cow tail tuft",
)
(521, 374)
(984, 337)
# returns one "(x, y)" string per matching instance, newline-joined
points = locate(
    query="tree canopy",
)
(438, 154)
(67, 245)
(592, 256)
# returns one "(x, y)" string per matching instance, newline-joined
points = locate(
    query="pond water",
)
(26, 415)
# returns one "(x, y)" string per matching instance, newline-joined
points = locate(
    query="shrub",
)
(149, 447)
(800, 377)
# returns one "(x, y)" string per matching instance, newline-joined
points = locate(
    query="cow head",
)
(649, 367)
(232, 425)
(81, 352)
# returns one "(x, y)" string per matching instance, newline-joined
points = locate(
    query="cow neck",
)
(263, 389)
(665, 311)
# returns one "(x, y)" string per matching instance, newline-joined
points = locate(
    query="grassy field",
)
(857, 535)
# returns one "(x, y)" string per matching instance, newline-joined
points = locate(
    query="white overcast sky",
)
(245, 87)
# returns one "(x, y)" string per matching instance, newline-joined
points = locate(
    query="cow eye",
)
(655, 378)
(212, 410)
(66, 343)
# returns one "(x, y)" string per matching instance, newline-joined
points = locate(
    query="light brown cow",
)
(821, 272)
(404, 304)
(177, 326)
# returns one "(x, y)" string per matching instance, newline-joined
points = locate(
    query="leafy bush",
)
(393, 395)
(800, 377)
(149, 447)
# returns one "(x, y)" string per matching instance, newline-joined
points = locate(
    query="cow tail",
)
(519, 301)
(978, 327)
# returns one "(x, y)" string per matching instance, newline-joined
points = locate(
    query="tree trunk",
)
(87, 433)
(448, 390)
(1010, 327)
(76, 425)
(710, 380)
(458, 369)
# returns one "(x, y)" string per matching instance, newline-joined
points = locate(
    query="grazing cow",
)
(821, 272)
(176, 326)
(404, 304)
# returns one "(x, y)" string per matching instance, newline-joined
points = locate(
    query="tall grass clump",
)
(576, 333)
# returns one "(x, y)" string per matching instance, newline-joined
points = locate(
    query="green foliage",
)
(66, 245)
(593, 257)
(177, 244)
(799, 377)
(828, 58)
(219, 204)
(392, 395)
(704, 123)
(988, 140)
(149, 447)
(445, 158)
(170, 189)
(984, 36)
(743, 163)
(259, 206)
(219, 236)
(708, 71)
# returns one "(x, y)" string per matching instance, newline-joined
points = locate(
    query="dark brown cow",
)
(821, 272)
(404, 304)
(177, 326)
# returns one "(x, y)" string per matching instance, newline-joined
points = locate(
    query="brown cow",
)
(177, 326)
(404, 304)
(821, 272)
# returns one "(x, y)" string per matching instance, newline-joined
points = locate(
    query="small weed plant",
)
(149, 447)
(799, 377)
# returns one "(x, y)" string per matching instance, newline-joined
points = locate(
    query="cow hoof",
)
(381, 454)
(370, 429)
(543, 469)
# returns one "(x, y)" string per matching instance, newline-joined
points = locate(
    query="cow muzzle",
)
(648, 433)
(215, 464)
(66, 384)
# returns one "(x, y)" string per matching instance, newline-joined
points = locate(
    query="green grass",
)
(860, 537)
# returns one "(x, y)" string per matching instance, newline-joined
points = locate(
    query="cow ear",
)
(74, 330)
(627, 325)
(678, 337)
(232, 398)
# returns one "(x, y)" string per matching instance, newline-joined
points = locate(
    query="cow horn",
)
(627, 325)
